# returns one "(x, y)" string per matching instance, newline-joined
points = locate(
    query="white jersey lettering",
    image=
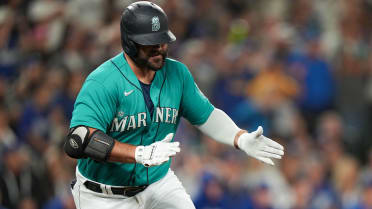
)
(132, 122)
(116, 125)
(159, 114)
(174, 117)
(141, 119)
(167, 114)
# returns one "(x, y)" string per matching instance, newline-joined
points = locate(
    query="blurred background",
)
(300, 68)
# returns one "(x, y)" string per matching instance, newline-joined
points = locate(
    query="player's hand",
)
(256, 145)
(158, 152)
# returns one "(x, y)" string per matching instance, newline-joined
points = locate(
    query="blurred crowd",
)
(300, 68)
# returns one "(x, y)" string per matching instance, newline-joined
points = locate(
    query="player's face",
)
(152, 57)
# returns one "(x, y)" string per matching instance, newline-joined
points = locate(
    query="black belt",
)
(128, 191)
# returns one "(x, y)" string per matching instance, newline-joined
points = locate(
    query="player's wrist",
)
(139, 154)
(237, 141)
(144, 154)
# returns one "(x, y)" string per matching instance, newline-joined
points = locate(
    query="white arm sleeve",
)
(220, 127)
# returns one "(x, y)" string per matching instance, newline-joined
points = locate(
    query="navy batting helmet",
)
(144, 23)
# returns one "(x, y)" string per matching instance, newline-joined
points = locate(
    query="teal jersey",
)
(111, 100)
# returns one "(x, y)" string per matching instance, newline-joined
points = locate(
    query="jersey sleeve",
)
(94, 106)
(195, 107)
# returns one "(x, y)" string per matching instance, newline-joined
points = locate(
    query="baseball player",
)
(127, 112)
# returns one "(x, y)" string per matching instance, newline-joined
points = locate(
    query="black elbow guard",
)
(80, 145)
(76, 141)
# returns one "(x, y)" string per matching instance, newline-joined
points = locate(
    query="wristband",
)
(237, 138)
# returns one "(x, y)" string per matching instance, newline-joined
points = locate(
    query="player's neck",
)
(144, 75)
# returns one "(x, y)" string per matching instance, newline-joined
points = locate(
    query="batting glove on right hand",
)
(158, 152)
(256, 145)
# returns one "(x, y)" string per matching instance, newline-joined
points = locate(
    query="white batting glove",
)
(158, 152)
(260, 147)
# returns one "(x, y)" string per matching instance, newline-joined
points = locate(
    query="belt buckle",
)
(131, 191)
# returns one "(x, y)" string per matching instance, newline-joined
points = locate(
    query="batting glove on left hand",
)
(158, 152)
(256, 145)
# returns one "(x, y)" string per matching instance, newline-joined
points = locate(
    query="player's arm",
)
(220, 127)
(83, 141)
(197, 109)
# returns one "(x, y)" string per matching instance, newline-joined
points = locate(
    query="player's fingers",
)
(163, 160)
(270, 155)
(273, 144)
(170, 154)
(154, 162)
(174, 144)
(266, 160)
(175, 149)
(168, 138)
(165, 150)
(273, 150)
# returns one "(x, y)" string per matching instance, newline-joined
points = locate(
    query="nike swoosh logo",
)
(127, 93)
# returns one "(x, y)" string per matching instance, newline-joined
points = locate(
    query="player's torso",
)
(133, 124)
(133, 117)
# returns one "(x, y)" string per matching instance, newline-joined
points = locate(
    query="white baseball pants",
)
(167, 193)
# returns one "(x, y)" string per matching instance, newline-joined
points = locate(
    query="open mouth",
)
(157, 56)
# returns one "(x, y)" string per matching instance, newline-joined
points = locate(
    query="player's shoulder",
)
(174, 63)
(105, 73)
(175, 66)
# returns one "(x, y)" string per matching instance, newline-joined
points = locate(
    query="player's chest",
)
(132, 112)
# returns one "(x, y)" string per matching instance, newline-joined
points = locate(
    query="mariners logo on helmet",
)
(155, 23)
(144, 23)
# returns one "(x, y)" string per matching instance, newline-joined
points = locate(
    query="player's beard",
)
(154, 60)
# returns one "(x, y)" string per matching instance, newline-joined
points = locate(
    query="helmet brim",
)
(153, 38)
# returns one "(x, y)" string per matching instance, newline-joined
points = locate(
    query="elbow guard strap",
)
(99, 146)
